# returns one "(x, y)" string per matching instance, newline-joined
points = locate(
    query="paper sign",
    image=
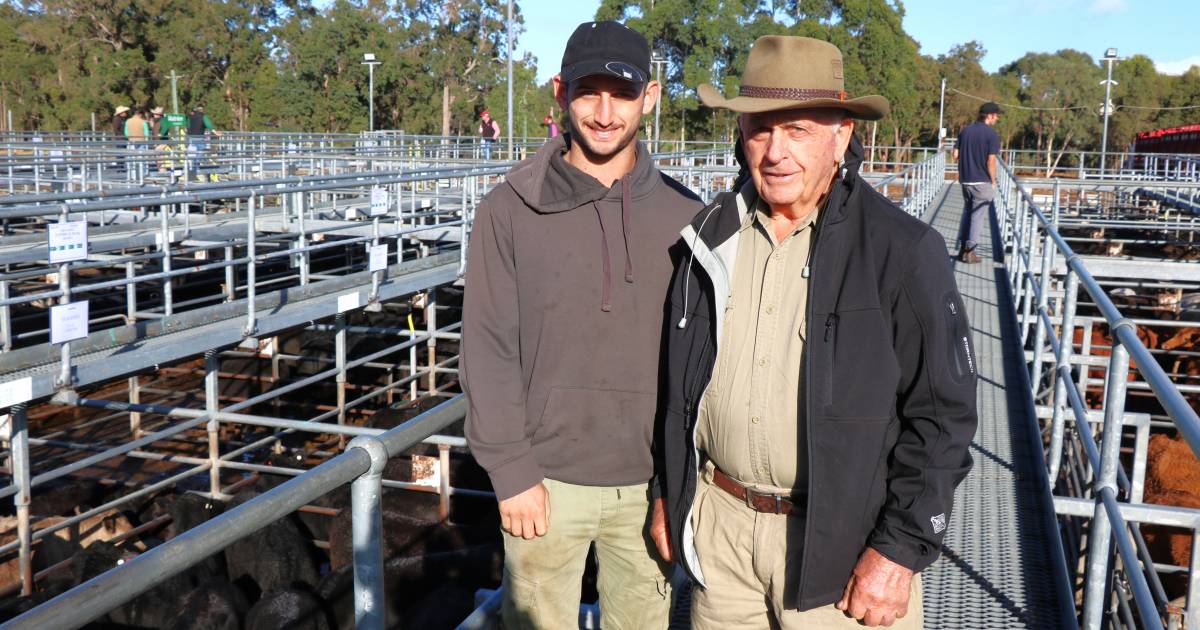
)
(68, 321)
(379, 201)
(347, 302)
(68, 241)
(379, 257)
(18, 391)
(351, 213)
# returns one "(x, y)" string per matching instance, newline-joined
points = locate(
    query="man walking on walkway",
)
(820, 380)
(567, 274)
(198, 127)
(976, 152)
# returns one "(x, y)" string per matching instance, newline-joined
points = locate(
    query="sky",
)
(1007, 29)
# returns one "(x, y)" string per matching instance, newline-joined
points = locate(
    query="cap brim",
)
(616, 69)
(872, 107)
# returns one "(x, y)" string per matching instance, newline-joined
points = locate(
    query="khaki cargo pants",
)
(543, 577)
(741, 555)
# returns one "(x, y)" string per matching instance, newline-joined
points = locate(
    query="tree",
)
(1065, 89)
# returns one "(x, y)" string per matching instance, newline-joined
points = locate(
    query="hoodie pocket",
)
(596, 430)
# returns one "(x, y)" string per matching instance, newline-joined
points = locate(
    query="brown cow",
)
(1172, 478)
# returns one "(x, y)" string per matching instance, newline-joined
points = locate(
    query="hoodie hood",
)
(547, 183)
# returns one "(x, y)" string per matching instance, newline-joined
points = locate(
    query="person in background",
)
(567, 274)
(118, 129)
(137, 133)
(976, 151)
(551, 126)
(489, 133)
(156, 123)
(119, 117)
(198, 128)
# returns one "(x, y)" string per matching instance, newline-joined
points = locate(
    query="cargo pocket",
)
(521, 609)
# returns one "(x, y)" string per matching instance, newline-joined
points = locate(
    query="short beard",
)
(596, 157)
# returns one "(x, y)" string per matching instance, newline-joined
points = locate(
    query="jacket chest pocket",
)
(855, 369)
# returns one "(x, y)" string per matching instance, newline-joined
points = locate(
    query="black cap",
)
(609, 48)
(989, 108)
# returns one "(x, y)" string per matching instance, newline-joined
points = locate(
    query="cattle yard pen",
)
(290, 295)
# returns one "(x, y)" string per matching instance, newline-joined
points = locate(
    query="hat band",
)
(792, 94)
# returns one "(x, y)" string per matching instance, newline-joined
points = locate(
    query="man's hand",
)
(659, 529)
(878, 590)
(526, 514)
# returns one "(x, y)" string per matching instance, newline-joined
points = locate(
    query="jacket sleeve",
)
(670, 318)
(936, 408)
(491, 357)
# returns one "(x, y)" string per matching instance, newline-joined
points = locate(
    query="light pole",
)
(1110, 57)
(941, 115)
(511, 148)
(370, 62)
(658, 61)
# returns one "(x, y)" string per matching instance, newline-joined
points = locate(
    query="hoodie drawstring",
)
(625, 227)
(606, 295)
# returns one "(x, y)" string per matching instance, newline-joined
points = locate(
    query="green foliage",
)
(286, 65)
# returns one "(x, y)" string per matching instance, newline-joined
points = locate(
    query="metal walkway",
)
(994, 571)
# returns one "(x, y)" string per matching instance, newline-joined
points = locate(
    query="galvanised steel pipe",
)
(1062, 360)
(1147, 609)
(367, 537)
(97, 596)
(1100, 534)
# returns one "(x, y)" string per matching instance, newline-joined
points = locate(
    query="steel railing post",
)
(19, 460)
(251, 266)
(1100, 532)
(1192, 621)
(135, 397)
(339, 351)
(5, 319)
(1062, 360)
(212, 405)
(367, 536)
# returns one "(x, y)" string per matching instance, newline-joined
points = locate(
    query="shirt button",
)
(762, 363)
(754, 419)
(770, 309)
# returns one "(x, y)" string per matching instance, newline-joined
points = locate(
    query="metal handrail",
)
(1032, 238)
(360, 465)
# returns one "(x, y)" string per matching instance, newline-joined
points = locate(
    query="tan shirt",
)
(749, 423)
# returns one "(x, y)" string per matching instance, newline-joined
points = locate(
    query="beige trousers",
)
(749, 582)
(543, 576)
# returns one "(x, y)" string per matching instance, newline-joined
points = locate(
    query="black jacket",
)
(890, 389)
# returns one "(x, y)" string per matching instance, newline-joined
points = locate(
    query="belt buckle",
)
(750, 498)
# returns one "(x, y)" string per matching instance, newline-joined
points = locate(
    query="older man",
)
(820, 381)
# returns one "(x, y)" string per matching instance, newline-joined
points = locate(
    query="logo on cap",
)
(623, 70)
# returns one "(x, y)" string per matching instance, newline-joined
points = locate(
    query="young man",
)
(976, 152)
(567, 276)
(489, 133)
(820, 390)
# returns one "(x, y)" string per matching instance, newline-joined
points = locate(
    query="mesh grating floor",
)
(994, 571)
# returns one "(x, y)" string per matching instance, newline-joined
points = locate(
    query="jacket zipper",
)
(813, 259)
(830, 322)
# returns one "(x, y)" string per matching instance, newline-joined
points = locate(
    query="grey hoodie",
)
(560, 354)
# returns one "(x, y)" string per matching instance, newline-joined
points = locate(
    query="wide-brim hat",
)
(157, 111)
(794, 73)
(121, 109)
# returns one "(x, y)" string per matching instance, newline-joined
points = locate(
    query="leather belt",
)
(757, 501)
